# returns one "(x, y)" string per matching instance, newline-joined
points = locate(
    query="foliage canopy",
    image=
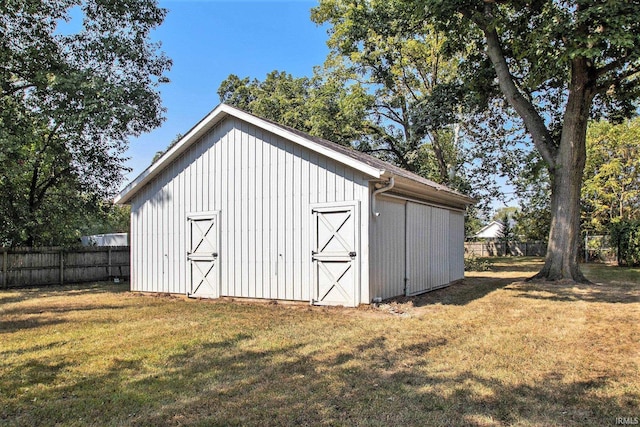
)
(611, 188)
(77, 79)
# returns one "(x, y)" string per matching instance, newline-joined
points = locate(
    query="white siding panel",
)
(288, 249)
(135, 244)
(305, 226)
(387, 249)
(419, 237)
(242, 244)
(296, 237)
(225, 221)
(456, 245)
(273, 220)
(439, 247)
(361, 192)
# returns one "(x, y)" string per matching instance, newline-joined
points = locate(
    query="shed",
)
(244, 207)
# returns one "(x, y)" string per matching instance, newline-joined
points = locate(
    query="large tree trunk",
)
(561, 261)
(566, 159)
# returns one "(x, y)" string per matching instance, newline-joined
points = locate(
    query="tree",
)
(556, 64)
(506, 218)
(69, 102)
(172, 144)
(110, 218)
(612, 174)
(413, 121)
(321, 106)
(625, 237)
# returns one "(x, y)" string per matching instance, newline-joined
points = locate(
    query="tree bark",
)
(561, 261)
(439, 154)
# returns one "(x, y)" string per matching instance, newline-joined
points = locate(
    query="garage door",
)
(427, 248)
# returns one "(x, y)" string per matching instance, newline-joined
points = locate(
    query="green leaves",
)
(323, 106)
(72, 98)
(625, 237)
(611, 189)
(393, 54)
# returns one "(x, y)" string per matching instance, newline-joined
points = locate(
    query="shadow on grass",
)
(4, 354)
(231, 382)
(569, 292)
(528, 265)
(36, 317)
(459, 293)
(12, 295)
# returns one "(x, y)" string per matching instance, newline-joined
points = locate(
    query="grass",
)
(492, 351)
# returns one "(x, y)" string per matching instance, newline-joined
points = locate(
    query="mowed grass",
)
(492, 351)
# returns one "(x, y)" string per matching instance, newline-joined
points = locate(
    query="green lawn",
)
(492, 351)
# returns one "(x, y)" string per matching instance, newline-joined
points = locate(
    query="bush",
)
(473, 263)
(625, 236)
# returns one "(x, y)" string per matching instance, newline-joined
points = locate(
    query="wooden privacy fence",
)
(486, 249)
(21, 267)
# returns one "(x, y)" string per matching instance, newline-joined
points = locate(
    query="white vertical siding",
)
(387, 249)
(419, 249)
(439, 247)
(134, 242)
(456, 245)
(263, 186)
(432, 247)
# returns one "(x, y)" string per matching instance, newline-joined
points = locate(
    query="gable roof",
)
(493, 230)
(370, 166)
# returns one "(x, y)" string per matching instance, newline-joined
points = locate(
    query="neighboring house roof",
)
(108, 239)
(493, 230)
(406, 182)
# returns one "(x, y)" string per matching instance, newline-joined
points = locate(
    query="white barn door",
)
(202, 256)
(335, 254)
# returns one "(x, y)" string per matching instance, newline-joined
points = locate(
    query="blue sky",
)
(210, 39)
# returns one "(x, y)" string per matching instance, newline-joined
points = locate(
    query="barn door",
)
(202, 256)
(335, 255)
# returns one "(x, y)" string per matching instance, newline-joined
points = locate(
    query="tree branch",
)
(392, 146)
(618, 79)
(44, 186)
(542, 139)
(391, 115)
(611, 66)
(11, 90)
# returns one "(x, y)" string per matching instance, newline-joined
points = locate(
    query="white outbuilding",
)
(244, 207)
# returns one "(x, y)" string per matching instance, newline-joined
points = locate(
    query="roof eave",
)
(438, 194)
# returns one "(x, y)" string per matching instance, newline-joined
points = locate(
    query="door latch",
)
(352, 254)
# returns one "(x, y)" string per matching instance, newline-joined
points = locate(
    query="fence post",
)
(61, 267)
(5, 270)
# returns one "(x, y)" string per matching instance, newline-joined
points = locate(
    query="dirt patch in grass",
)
(490, 351)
